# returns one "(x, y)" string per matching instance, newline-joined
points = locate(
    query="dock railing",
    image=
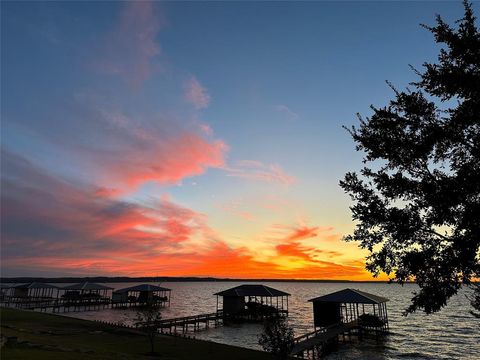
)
(191, 319)
(314, 333)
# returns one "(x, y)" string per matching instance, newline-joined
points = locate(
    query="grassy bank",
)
(45, 336)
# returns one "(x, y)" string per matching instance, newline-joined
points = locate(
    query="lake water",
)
(450, 334)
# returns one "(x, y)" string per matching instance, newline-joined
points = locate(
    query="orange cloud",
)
(294, 249)
(303, 232)
(52, 225)
(218, 261)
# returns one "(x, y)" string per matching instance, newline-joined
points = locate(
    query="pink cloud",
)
(196, 94)
(166, 161)
(55, 225)
(122, 151)
(130, 47)
(42, 212)
(50, 224)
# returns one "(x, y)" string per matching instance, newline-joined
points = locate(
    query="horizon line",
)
(176, 278)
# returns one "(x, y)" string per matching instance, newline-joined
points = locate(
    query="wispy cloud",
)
(303, 232)
(273, 203)
(206, 129)
(287, 111)
(196, 94)
(122, 151)
(255, 170)
(237, 208)
(130, 48)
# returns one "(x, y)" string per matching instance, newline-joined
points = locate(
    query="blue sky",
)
(216, 126)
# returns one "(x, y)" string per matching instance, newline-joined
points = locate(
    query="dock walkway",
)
(320, 337)
(184, 323)
(59, 305)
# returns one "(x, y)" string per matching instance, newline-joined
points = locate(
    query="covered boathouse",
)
(86, 290)
(337, 315)
(35, 290)
(350, 306)
(5, 291)
(85, 294)
(140, 295)
(252, 302)
(31, 295)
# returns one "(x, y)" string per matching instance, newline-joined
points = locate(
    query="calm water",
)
(450, 334)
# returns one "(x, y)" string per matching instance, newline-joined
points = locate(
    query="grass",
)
(46, 336)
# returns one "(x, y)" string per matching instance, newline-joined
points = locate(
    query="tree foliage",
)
(417, 200)
(147, 321)
(277, 337)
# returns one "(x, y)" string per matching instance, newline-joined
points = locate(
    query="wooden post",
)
(386, 316)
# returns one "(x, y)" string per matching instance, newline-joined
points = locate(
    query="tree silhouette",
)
(147, 321)
(277, 337)
(417, 200)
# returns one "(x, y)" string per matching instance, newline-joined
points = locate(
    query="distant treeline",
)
(119, 279)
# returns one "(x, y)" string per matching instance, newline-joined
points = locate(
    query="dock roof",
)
(35, 285)
(142, 287)
(252, 290)
(86, 286)
(351, 296)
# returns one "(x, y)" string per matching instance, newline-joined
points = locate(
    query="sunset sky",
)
(189, 138)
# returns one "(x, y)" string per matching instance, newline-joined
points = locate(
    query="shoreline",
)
(105, 279)
(53, 336)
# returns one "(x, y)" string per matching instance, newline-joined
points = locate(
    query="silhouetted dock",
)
(315, 340)
(345, 312)
(195, 321)
(82, 297)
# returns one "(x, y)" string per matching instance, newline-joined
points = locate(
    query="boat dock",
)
(82, 297)
(196, 321)
(347, 312)
(316, 340)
